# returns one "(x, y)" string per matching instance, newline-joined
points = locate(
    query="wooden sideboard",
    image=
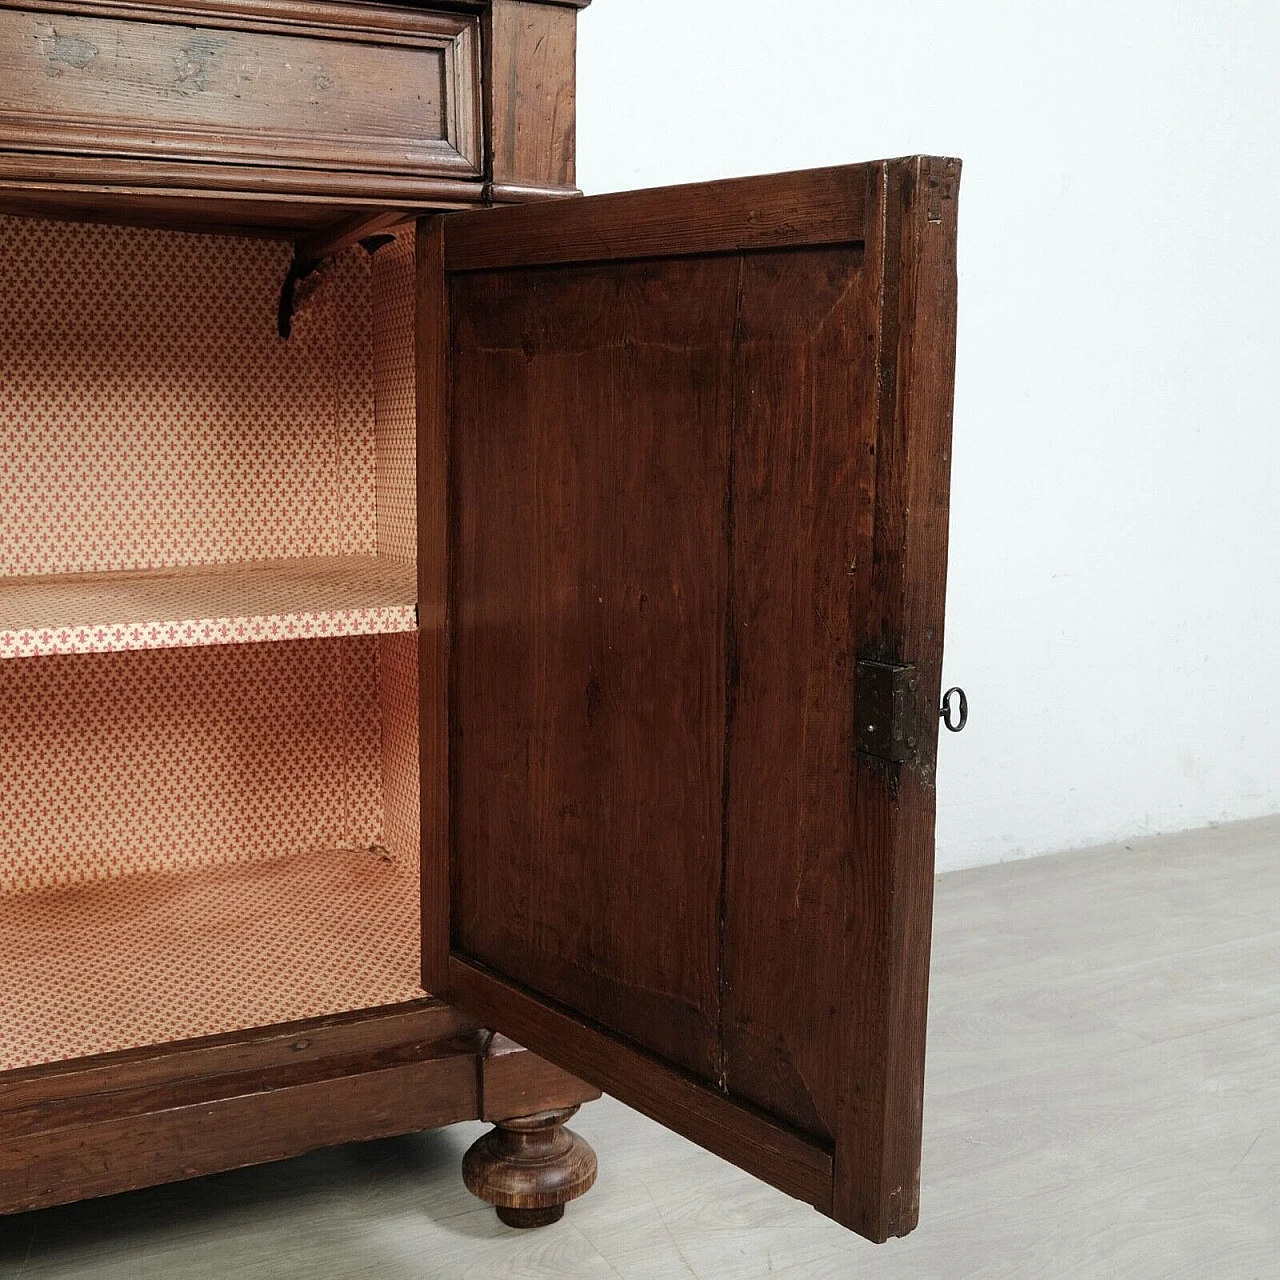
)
(434, 610)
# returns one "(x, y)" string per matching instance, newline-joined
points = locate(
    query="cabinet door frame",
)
(902, 215)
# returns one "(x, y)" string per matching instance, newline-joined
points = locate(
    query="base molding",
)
(120, 1122)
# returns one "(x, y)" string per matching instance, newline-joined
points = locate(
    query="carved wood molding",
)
(287, 85)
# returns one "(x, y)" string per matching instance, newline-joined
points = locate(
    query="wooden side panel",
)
(531, 99)
(591, 430)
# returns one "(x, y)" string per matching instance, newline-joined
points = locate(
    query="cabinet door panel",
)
(695, 449)
(802, 488)
(590, 584)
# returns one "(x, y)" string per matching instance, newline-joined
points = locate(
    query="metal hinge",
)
(887, 714)
(884, 708)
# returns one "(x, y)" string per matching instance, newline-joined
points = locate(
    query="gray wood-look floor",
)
(1103, 1101)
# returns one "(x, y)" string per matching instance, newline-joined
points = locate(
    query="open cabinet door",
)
(684, 462)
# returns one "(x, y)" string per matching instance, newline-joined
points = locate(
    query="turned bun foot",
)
(524, 1218)
(530, 1168)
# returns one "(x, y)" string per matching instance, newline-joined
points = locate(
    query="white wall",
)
(1114, 604)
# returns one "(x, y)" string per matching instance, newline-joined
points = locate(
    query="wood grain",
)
(229, 212)
(701, 443)
(289, 115)
(1112, 1012)
(277, 117)
(753, 1142)
(802, 502)
(589, 584)
(819, 206)
(435, 518)
(348, 233)
(514, 1082)
(389, 22)
(901, 593)
(531, 99)
(284, 93)
(97, 1126)
(100, 1126)
(122, 1151)
(21, 172)
(530, 1168)
(236, 1053)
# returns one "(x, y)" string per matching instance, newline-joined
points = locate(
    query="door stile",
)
(435, 517)
(899, 609)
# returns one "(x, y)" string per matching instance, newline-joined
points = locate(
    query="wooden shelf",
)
(159, 957)
(325, 596)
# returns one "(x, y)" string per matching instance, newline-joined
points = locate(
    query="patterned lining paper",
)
(394, 277)
(174, 759)
(396, 398)
(199, 834)
(398, 687)
(155, 958)
(188, 607)
(151, 417)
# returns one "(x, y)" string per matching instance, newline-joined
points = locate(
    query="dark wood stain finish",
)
(530, 1168)
(700, 443)
(435, 517)
(899, 617)
(802, 498)
(669, 222)
(514, 1083)
(99, 1126)
(123, 1151)
(236, 1053)
(185, 206)
(751, 1140)
(683, 462)
(589, 555)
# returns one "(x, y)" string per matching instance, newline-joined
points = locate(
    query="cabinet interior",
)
(208, 658)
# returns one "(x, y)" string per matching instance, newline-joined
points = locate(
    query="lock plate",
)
(884, 707)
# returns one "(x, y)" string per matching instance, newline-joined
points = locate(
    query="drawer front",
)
(286, 84)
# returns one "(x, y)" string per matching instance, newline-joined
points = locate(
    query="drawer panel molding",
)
(287, 85)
